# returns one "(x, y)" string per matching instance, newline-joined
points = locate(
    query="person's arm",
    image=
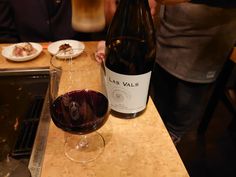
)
(169, 2)
(110, 8)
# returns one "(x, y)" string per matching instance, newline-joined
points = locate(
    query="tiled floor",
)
(213, 155)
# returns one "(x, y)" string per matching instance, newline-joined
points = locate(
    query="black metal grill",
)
(28, 129)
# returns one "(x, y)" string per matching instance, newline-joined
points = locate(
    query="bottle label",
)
(127, 93)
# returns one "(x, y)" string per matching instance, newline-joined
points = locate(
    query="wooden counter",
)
(139, 147)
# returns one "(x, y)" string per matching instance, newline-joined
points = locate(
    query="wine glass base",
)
(84, 148)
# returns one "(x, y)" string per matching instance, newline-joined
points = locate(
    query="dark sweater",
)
(42, 20)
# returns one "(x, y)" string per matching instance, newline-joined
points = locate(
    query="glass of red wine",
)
(78, 104)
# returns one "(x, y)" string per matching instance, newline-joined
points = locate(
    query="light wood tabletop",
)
(139, 147)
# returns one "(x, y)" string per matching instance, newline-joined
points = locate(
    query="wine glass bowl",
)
(79, 105)
(80, 111)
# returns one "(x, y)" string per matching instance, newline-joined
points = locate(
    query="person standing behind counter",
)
(193, 42)
(44, 20)
(39, 21)
(194, 39)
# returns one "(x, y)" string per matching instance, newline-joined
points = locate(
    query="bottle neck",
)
(132, 4)
(131, 18)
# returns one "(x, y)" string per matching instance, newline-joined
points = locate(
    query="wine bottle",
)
(129, 58)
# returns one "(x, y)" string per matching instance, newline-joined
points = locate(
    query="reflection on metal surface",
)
(36, 160)
(25, 114)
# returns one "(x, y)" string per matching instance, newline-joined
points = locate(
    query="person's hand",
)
(109, 8)
(153, 4)
(100, 52)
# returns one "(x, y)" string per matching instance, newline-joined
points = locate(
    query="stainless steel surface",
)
(36, 160)
(22, 71)
(37, 155)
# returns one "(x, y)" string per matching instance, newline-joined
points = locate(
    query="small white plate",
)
(7, 52)
(53, 48)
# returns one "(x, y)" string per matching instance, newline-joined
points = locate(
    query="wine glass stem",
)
(83, 143)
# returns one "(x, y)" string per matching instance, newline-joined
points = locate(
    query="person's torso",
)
(39, 20)
(195, 40)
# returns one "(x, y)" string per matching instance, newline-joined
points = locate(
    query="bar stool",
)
(220, 92)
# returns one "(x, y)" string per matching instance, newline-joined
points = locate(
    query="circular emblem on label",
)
(120, 95)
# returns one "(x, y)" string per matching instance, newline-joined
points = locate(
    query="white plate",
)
(7, 52)
(53, 48)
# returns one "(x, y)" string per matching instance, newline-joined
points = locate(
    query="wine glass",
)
(78, 104)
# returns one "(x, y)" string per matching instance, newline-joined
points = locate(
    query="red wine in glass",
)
(80, 111)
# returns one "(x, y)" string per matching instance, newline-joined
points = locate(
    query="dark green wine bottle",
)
(129, 58)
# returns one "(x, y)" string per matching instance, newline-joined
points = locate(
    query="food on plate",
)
(65, 49)
(23, 50)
